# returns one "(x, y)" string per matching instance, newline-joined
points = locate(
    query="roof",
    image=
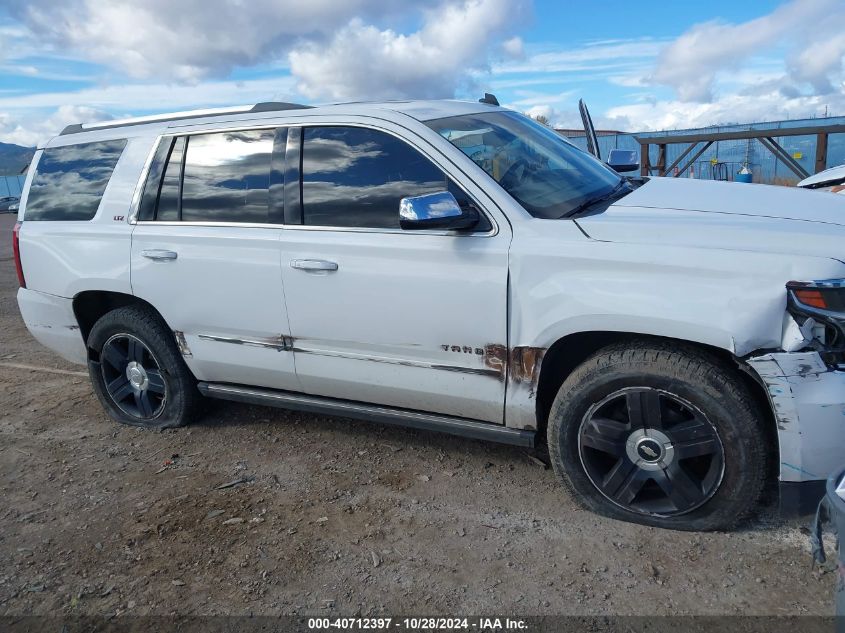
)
(419, 109)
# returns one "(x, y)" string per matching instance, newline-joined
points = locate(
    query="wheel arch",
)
(90, 305)
(568, 352)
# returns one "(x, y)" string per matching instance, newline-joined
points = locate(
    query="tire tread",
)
(680, 362)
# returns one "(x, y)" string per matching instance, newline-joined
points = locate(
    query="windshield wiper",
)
(594, 201)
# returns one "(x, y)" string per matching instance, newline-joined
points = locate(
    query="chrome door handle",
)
(313, 265)
(159, 255)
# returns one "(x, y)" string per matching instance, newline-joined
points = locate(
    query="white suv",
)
(450, 266)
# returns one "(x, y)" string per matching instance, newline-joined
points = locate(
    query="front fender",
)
(562, 285)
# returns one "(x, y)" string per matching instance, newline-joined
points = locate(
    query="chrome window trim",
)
(136, 199)
(299, 227)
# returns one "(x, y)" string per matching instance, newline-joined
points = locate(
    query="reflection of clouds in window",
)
(356, 177)
(326, 155)
(70, 181)
(227, 177)
(331, 204)
(168, 201)
(217, 150)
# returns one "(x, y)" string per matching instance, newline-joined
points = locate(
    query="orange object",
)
(810, 297)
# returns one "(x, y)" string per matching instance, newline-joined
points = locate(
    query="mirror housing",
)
(623, 160)
(438, 210)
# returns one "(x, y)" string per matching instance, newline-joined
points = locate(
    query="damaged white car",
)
(450, 266)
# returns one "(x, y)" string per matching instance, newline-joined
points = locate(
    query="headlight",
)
(827, 294)
(823, 302)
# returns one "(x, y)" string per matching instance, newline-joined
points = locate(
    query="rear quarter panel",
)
(65, 258)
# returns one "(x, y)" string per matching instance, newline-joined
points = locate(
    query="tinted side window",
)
(354, 177)
(69, 181)
(168, 196)
(149, 199)
(227, 177)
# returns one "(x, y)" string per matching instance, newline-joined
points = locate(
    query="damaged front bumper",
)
(808, 401)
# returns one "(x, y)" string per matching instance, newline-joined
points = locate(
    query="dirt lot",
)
(334, 517)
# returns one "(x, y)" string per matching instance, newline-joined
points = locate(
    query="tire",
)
(662, 435)
(164, 392)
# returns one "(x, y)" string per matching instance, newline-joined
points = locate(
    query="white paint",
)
(796, 337)
(52, 323)
(224, 282)
(809, 404)
(399, 297)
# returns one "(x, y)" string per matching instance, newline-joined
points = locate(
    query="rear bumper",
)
(52, 323)
(808, 401)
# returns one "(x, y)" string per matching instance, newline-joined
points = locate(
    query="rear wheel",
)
(137, 371)
(665, 436)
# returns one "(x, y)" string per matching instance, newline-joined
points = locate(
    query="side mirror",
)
(623, 160)
(435, 211)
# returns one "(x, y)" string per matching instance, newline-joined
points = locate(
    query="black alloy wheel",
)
(651, 451)
(132, 377)
(138, 371)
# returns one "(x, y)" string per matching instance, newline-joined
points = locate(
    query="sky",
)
(641, 65)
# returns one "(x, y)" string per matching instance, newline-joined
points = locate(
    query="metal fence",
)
(734, 154)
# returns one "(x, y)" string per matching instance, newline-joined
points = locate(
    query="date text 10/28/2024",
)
(480, 624)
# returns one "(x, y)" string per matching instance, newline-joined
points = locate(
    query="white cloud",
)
(692, 63)
(31, 132)
(591, 56)
(166, 54)
(362, 61)
(145, 97)
(190, 40)
(28, 119)
(822, 59)
(733, 108)
(560, 113)
(514, 47)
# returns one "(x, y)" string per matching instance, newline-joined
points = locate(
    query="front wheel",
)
(659, 435)
(137, 371)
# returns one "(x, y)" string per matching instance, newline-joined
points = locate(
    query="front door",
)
(206, 254)
(402, 318)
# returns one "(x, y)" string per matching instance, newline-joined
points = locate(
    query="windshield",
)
(546, 174)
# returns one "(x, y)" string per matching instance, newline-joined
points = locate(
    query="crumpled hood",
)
(735, 216)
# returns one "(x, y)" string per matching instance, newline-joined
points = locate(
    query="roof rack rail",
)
(264, 106)
(273, 106)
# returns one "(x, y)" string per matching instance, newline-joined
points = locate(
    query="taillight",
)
(16, 247)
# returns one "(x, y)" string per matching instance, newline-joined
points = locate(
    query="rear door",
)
(205, 253)
(412, 319)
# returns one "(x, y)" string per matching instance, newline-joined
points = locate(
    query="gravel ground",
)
(327, 516)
